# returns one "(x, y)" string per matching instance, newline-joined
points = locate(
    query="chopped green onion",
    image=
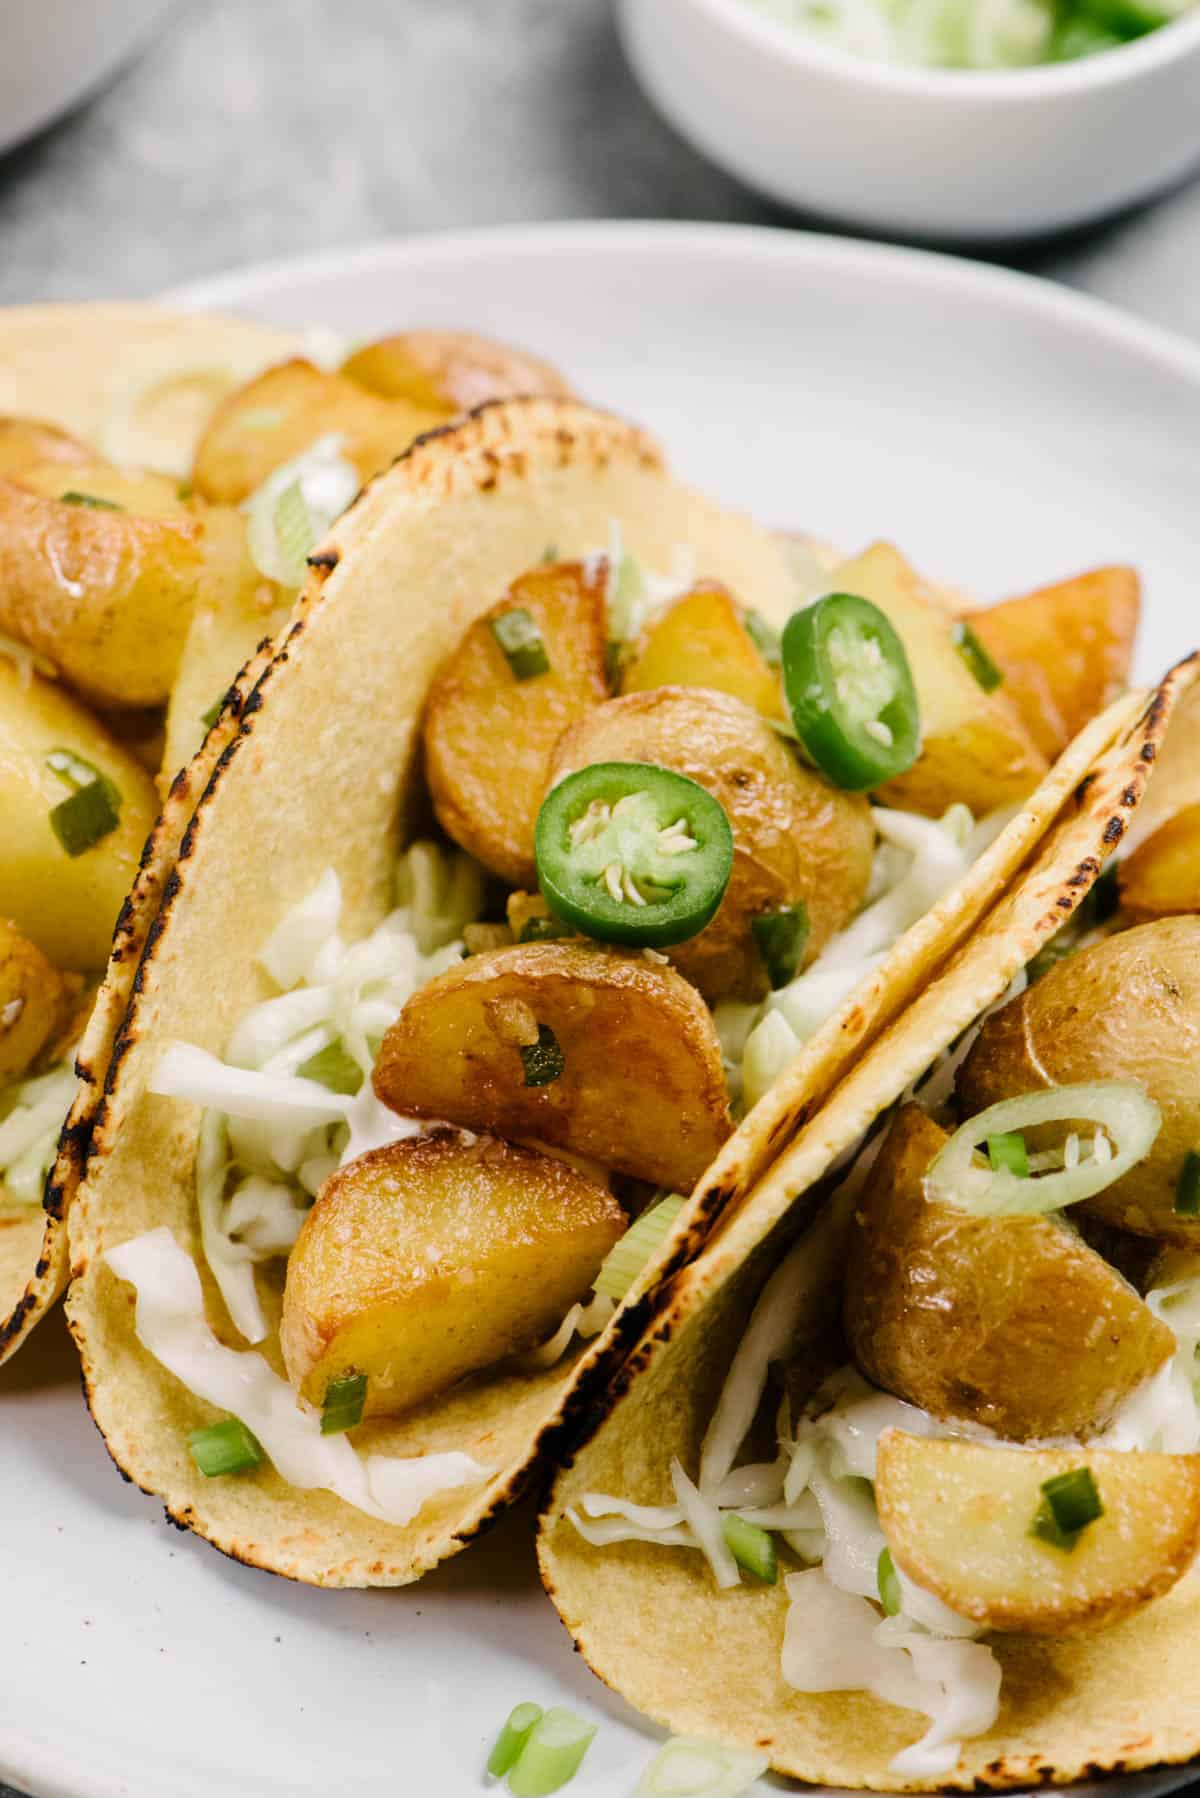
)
(781, 938)
(184, 491)
(72, 768)
(1125, 19)
(512, 1738)
(549, 555)
(333, 1067)
(543, 1061)
(888, 1582)
(543, 930)
(985, 670)
(627, 1257)
(551, 1755)
(344, 1401)
(1079, 37)
(226, 1447)
(209, 718)
(519, 638)
(1070, 1501)
(614, 655)
(686, 1767)
(765, 639)
(1008, 1150)
(1187, 1191)
(752, 1547)
(90, 499)
(90, 814)
(294, 532)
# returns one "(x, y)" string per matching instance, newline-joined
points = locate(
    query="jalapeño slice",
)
(632, 853)
(850, 691)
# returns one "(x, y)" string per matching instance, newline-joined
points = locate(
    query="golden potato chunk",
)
(34, 999)
(1128, 1008)
(1012, 1322)
(104, 584)
(489, 732)
(639, 1085)
(65, 904)
(795, 837)
(425, 1261)
(284, 412)
(1163, 873)
(1065, 651)
(27, 441)
(958, 1516)
(1176, 783)
(975, 747)
(450, 370)
(702, 641)
(227, 626)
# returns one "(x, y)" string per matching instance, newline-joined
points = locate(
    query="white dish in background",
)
(964, 155)
(54, 53)
(1004, 432)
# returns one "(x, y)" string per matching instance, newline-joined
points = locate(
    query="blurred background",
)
(250, 129)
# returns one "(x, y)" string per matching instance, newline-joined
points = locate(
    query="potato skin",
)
(795, 836)
(1162, 875)
(283, 412)
(1013, 1323)
(1128, 1008)
(702, 641)
(65, 905)
(424, 1261)
(34, 1001)
(957, 1519)
(642, 1089)
(451, 370)
(107, 596)
(26, 441)
(489, 738)
(1065, 650)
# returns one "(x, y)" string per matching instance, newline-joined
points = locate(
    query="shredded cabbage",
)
(966, 34)
(289, 514)
(31, 1120)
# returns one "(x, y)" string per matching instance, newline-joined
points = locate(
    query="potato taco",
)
(137, 577)
(537, 899)
(902, 1487)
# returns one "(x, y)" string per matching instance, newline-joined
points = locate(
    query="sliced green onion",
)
(72, 769)
(969, 647)
(614, 656)
(627, 1257)
(227, 1447)
(89, 815)
(1187, 1191)
(209, 718)
(1079, 37)
(1130, 1119)
(543, 930)
(544, 1060)
(551, 1755)
(1070, 1501)
(888, 1582)
(522, 642)
(1008, 1150)
(549, 555)
(781, 938)
(344, 1401)
(765, 638)
(90, 499)
(1125, 19)
(512, 1737)
(333, 1067)
(686, 1767)
(752, 1547)
(294, 532)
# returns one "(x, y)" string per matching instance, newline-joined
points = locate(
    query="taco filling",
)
(456, 1141)
(967, 1400)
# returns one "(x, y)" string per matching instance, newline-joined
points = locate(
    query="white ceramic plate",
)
(1004, 433)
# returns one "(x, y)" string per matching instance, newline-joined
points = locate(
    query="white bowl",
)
(53, 53)
(962, 154)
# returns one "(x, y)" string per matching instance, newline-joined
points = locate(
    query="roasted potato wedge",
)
(1176, 784)
(451, 371)
(228, 624)
(106, 590)
(1163, 873)
(1065, 651)
(489, 735)
(1128, 1008)
(283, 413)
(702, 641)
(34, 1000)
(975, 747)
(66, 905)
(640, 1087)
(427, 1260)
(957, 1518)
(795, 837)
(1013, 1323)
(25, 442)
